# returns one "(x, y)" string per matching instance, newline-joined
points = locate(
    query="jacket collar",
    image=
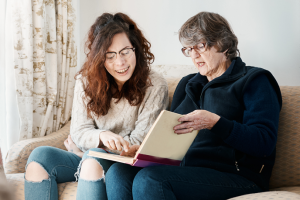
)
(236, 68)
(198, 84)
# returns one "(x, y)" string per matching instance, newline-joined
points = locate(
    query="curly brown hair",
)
(99, 86)
(213, 29)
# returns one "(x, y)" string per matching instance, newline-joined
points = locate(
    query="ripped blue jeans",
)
(61, 167)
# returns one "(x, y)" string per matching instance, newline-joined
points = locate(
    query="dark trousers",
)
(171, 182)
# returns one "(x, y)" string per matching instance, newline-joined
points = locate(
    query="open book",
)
(161, 145)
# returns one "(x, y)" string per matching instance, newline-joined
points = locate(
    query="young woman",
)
(116, 100)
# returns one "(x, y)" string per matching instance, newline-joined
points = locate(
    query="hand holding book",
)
(196, 120)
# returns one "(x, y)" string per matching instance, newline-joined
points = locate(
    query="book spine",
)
(144, 163)
(154, 159)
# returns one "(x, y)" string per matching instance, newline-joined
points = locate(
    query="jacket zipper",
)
(200, 103)
(237, 166)
(261, 168)
(208, 85)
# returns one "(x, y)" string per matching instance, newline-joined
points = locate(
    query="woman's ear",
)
(225, 51)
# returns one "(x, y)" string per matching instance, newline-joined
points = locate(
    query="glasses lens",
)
(110, 57)
(201, 48)
(126, 53)
(186, 51)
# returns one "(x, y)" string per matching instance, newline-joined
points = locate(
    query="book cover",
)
(161, 145)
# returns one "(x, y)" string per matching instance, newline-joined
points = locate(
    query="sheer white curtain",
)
(2, 72)
(9, 116)
(38, 64)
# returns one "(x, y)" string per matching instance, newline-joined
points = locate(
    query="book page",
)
(112, 157)
(161, 141)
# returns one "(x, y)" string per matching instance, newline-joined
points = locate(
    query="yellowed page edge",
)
(112, 157)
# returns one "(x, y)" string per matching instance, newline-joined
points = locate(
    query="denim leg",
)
(172, 182)
(119, 179)
(95, 189)
(60, 166)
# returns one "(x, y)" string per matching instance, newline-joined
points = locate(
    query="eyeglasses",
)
(200, 48)
(124, 53)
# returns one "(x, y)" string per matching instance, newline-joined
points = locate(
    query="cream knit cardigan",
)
(130, 122)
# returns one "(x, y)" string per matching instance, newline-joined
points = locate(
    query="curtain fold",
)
(3, 137)
(10, 118)
(42, 65)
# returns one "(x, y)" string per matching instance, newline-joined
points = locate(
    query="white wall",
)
(268, 30)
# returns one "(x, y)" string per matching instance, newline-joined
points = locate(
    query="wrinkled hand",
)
(131, 152)
(196, 120)
(71, 146)
(113, 141)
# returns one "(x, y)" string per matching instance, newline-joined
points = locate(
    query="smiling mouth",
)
(122, 71)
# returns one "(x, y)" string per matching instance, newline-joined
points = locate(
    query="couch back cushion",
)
(286, 171)
(172, 83)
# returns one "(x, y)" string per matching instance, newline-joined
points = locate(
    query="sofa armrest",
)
(18, 154)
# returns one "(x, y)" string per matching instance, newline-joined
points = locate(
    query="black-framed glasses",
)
(200, 48)
(124, 53)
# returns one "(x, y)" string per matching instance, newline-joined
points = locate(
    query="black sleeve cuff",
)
(223, 127)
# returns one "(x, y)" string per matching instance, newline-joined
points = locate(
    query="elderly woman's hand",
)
(196, 120)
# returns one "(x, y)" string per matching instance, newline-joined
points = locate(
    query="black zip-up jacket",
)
(243, 141)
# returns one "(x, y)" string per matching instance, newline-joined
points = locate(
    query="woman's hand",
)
(113, 141)
(71, 147)
(131, 152)
(196, 120)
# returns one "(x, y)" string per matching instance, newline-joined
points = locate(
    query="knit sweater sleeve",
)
(155, 101)
(83, 130)
(257, 135)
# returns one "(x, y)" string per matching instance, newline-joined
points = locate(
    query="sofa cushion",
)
(286, 171)
(172, 84)
(18, 154)
(274, 195)
(66, 191)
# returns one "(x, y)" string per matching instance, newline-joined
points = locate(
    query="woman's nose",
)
(120, 60)
(194, 54)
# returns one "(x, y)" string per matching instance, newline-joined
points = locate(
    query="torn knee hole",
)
(35, 172)
(91, 170)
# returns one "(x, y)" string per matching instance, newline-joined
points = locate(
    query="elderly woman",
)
(236, 110)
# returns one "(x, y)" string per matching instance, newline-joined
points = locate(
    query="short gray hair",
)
(213, 29)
